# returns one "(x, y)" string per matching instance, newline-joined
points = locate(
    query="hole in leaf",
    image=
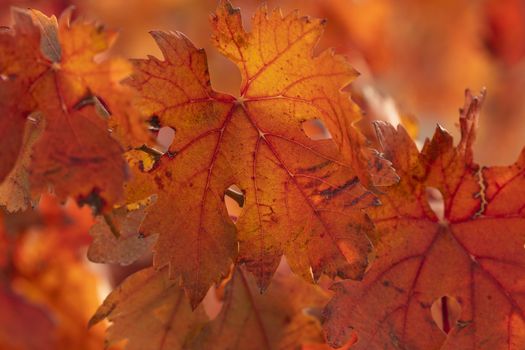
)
(316, 130)
(211, 303)
(101, 107)
(436, 202)
(165, 138)
(154, 123)
(445, 312)
(315, 312)
(234, 201)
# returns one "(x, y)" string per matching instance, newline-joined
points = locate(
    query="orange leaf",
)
(277, 319)
(82, 44)
(11, 127)
(278, 69)
(50, 67)
(302, 198)
(116, 236)
(151, 312)
(15, 192)
(470, 251)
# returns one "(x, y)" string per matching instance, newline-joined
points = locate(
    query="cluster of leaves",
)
(415, 275)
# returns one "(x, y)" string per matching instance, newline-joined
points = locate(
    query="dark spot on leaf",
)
(462, 324)
(158, 181)
(332, 192)
(316, 167)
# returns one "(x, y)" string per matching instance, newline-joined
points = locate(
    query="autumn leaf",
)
(11, 127)
(278, 65)
(117, 238)
(151, 311)
(49, 67)
(469, 251)
(15, 192)
(303, 198)
(276, 319)
(81, 44)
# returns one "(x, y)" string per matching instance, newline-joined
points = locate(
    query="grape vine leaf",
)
(471, 251)
(275, 61)
(15, 193)
(152, 312)
(276, 319)
(117, 238)
(303, 198)
(49, 67)
(11, 127)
